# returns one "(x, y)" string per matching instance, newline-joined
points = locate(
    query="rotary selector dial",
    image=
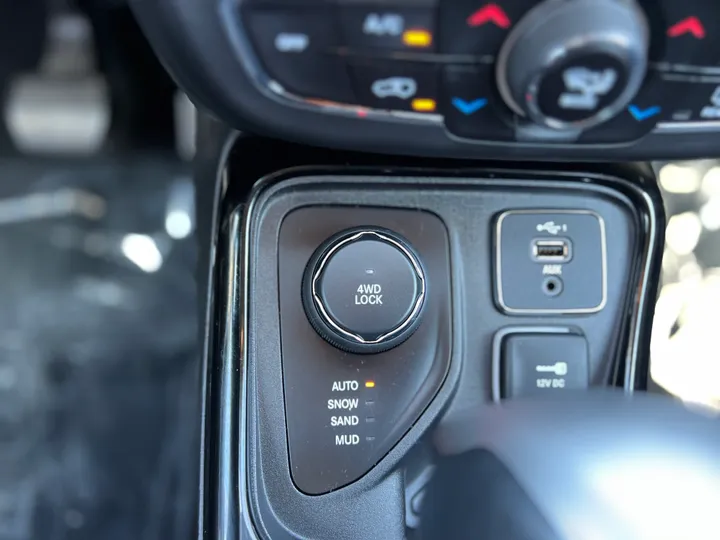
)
(364, 290)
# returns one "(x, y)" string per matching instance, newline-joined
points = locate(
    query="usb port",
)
(551, 250)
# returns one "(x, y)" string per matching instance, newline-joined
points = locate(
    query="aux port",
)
(552, 286)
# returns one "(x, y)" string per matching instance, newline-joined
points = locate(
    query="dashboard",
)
(576, 79)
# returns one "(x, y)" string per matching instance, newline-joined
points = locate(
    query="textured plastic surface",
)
(467, 207)
(476, 491)
(344, 412)
(590, 465)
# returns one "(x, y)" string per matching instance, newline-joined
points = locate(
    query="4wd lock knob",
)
(364, 290)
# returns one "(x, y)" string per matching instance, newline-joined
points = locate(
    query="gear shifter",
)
(592, 465)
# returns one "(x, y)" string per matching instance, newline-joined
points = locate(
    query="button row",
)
(296, 49)
(684, 32)
(472, 109)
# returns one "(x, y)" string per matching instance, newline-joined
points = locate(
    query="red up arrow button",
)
(490, 13)
(691, 25)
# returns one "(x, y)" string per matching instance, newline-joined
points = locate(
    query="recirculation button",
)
(364, 290)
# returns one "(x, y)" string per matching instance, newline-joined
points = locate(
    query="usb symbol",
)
(551, 227)
(558, 368)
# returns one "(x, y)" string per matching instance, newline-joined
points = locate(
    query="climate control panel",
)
(610, 80)
(588, 72)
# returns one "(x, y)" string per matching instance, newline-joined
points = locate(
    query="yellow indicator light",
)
(417, 38)
(423, 105)
(369, 384)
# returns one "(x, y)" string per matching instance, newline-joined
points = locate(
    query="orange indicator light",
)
(417, 37)
(369, 384)
(423, 105)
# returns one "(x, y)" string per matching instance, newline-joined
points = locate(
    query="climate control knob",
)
(573, 64)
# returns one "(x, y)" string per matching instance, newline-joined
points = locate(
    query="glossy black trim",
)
(223, 510)
(210, 163)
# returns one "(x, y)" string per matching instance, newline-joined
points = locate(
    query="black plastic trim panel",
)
(278, 509)
(405, 378)
(229, 166)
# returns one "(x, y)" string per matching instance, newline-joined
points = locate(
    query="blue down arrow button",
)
(643, 114)
(469, 107)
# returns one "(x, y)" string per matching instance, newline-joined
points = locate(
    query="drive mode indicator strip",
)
(353, 412)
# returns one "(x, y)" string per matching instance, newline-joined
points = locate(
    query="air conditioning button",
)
(387, 28)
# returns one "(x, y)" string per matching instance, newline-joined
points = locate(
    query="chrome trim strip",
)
(419, 274)
(684, 68)
(664, 128)
(498, 265)
(240, 228)
(223, 518)
(642, 296)
(229, 402)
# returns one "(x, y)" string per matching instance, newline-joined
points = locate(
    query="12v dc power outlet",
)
(364, 290)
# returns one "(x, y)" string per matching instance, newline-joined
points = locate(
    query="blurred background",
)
(98, 351)
(685, 354)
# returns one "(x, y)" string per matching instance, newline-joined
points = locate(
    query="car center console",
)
(358, 306)
(401, 221)
(589, 79)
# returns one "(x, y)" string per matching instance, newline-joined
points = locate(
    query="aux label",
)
(369, 294)
(552, 270)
